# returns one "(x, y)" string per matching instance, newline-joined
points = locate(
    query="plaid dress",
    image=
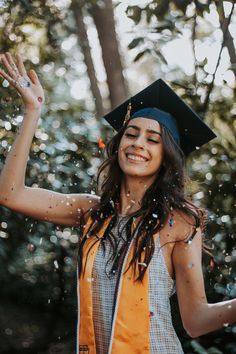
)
(163, 338)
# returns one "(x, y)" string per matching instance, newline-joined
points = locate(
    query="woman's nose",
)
(139, 142)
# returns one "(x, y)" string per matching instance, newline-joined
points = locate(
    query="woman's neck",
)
(131, 194)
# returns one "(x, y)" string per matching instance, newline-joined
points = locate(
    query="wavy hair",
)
(165, 195)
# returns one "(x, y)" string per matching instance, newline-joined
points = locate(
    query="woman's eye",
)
(153, 141)
(130, 135)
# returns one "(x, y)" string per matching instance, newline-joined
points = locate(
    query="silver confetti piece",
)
(24, 83)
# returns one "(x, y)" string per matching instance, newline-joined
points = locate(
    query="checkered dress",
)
(163, 338)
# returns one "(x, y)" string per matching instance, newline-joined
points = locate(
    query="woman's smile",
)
(136, 158)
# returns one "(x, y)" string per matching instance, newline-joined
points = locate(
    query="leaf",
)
(182, 4)
(135, 42)
(134, 13)
(149, 14)
(164, 25)
(139, 55)
(200, 7)
(162, 9)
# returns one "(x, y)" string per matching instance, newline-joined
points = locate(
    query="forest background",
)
(90, 56)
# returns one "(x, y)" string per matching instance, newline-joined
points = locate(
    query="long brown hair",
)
(165, 195)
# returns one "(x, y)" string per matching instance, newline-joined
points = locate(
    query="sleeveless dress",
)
(163, 338)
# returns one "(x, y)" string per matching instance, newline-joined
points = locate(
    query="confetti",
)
(5, 83)
(30, 247)
(89, 280)
(171, 222)
(56, 265)
(212, 264)
(101, 144)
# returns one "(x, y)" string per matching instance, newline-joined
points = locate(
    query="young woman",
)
(142, 238)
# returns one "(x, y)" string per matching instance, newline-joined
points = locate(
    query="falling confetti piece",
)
(143, 264)
(89, 280)
(56, 265)
(5, 83)
(30, 247)
(212, 264)
(101, 144)
(171, 222)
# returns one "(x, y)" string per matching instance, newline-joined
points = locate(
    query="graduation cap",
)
(159, 102)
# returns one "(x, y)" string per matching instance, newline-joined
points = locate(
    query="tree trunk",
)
(103, 16)
(84, 43)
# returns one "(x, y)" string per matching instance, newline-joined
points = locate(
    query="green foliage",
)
(38, 259)
(213, 168)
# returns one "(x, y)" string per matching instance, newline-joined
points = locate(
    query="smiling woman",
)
(141, 151)
(141, 237)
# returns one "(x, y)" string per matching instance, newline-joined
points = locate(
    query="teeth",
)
(136, 158)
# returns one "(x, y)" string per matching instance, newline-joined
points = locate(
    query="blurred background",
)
(90, 56)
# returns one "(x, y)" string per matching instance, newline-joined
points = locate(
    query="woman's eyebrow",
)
(147, 130)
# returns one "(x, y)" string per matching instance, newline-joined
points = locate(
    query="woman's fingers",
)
(21, 66)
(18, 72)
(12, 71)
(8, 78)
(34, 77)
(28, 86)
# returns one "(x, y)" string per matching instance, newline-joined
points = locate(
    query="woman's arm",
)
(197, 315)
(35, 202)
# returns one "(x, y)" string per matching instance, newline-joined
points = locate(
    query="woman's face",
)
(140, 151)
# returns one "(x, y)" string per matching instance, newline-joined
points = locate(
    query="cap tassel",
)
(127, 116)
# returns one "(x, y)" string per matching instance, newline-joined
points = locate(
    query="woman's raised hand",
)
(27, 85)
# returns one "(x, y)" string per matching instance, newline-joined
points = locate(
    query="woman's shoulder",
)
(185, 221)
(91, 204)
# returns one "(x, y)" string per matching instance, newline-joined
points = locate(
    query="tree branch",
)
(211, 85)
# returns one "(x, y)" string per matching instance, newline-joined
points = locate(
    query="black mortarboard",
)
(159, 102)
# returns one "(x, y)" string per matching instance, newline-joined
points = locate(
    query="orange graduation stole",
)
(130, 328)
